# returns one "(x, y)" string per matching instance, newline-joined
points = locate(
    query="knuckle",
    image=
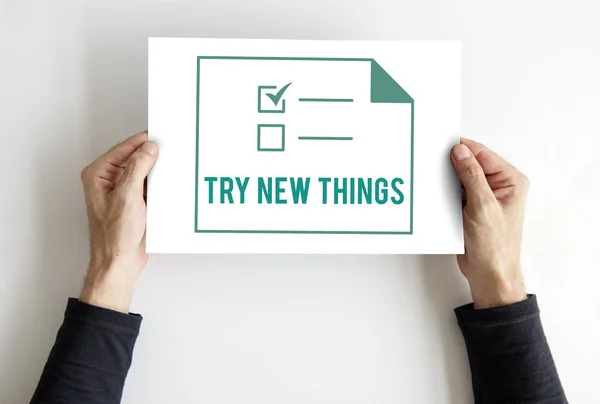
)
(126, 179)
(129, 174)
(139, 158)
(521, 182)
(473, 171)
(85, 173)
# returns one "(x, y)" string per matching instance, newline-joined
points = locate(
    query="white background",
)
(296, 329)
(428, 71)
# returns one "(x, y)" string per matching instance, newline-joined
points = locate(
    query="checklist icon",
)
(270, 137)
(270, 99)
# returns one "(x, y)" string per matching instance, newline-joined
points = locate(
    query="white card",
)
(284, 146)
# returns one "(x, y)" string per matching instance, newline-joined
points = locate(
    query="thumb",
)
(471, 174)
(138, 166)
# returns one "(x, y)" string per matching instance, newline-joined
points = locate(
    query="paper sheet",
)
(278, 146)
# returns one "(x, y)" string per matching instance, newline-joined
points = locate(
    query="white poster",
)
(279, 146)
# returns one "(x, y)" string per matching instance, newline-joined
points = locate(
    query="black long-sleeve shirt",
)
(508, 353)
(509, 356)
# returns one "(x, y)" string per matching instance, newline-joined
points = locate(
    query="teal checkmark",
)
(276, 97)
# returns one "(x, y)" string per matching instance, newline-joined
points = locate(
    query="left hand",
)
(114, 196)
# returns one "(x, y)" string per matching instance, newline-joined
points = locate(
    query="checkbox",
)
(270, 99)
(270, 137)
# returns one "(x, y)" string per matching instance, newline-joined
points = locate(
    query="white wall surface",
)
(296, 329)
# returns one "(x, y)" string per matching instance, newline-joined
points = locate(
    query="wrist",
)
(496, 289)
(110, 287)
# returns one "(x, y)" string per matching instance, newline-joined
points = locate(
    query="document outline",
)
(383, 95)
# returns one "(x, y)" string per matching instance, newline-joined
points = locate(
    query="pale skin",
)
(114, 195)
(494, 205)
(493, 198)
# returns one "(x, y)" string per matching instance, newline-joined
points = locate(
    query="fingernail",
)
(461, 152)
(149, 147)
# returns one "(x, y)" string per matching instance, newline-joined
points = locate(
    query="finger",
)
(119, 154)
(138, 166)
(103, 173)
(499, 172)
(471, 174)
(490, 162)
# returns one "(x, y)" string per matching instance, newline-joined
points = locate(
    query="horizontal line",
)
(325, 99)
(287, 58)
(305, 232)
(324, 138)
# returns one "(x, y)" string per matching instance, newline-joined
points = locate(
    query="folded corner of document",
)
(304, 147)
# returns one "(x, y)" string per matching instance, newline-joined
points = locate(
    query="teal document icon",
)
(302, 146)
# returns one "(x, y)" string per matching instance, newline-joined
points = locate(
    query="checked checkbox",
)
(270, 100)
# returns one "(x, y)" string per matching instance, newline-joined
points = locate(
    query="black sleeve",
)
(90, 358)
(509, 356)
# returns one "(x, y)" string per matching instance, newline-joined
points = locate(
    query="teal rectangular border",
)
(412, 152)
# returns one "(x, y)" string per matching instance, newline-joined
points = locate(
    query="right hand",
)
(494, 203)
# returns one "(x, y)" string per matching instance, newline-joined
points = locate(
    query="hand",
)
(494, 203)
(114, 195)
